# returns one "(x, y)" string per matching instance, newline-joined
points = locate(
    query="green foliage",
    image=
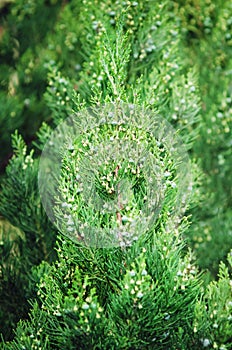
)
(209, 49)
(13, 294)
(216, 310)
(20, 204)
(71, 313)
(211, 239)
(29, 42)
(20, 201)
(173, 60)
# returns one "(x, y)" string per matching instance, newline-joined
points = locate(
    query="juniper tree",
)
(118, 180)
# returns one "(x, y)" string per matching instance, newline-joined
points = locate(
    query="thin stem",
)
(120, 207)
